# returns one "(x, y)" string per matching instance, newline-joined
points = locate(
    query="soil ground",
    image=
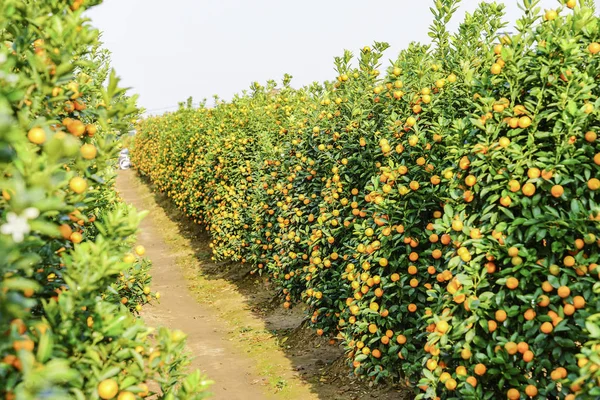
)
(238, 333)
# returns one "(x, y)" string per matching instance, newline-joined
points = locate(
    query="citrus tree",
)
(71, 275)
(438, 215)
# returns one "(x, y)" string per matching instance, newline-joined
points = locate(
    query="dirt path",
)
(209, 338)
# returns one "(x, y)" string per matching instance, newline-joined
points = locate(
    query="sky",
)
(166, 51)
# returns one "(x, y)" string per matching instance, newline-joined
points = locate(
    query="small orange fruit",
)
(108, 389)
(557, 190)
(36, 135)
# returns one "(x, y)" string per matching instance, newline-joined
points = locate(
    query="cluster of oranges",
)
(441, 219)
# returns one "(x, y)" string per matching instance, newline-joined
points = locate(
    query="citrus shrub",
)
(72, 276)
(437, 217)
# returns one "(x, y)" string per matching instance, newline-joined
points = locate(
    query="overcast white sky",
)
(168, 50)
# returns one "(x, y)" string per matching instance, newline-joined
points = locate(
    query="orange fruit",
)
(65, 231)
(569, 261)
(547, 287)
(531, 390)
(569, 309)
(36, 135)
(504, 142)
(543, 301)
(76, 127)
(76, 237)
(496, 69)
(91, 130)
(533, 173)
(593, 184)
(529, 314)
(78, 184)
(590, 136)
(557, 190)
(450, 384)
(547, 327)
(108, 389)
(513, 394)
(528, 189)
(465, 354)
(126, 396)
(480, 369)
(88, 151)
(470, 180)
(492, 325)
(457, 225)
(594, 48)
(500, 315)
(524, 122)
(564, 292)
(471, 380)
(514, 185)
(578, 302)
(511, 348)
(512, 283)
(401, 339)
(442, 326)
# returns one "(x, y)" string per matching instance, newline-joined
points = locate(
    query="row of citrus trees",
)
(71, 277)
(440, 217)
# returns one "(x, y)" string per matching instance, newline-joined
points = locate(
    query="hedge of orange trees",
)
(438, 215)
(71, 276)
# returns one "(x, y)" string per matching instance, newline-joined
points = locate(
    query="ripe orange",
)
(513, 394)
(91, 130)
(593, 184)
(594, 48)
(511, 348)
(36, 135)
(465, 354)
(529, 189)
(457, 225)
(557, 190)
(496, 69)
(76, 127)
(590, 136)
(108, 389)
(76, 237)
(512, 283)
(126, 396)
(442, 327)
(514, 186)
(450, 384)
(470, 180)
(504, 142)
(578, 302)
(524, 122)
(569, 309)
(492, 325)
(401, 339)
(78, 184)
(531, 390)
(88, 151)
(500, 315)
(564, 292)
(480, 369)
(65, 231)
(569, 261)
(529, 314)
(547, 327)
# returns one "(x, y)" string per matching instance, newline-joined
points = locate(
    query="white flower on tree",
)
(17, 225)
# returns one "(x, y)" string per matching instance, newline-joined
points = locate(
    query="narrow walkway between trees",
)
(209, 337)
